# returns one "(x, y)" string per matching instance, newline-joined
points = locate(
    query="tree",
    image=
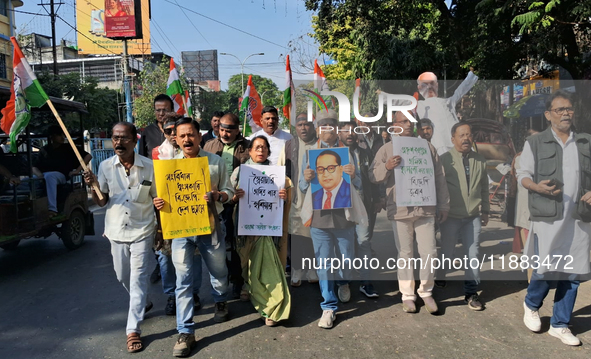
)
(272, 96)
(207, 102)
(152, 81)
(101, 103)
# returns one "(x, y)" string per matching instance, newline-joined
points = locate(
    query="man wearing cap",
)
(331, 231)
(301, 242)
(233, 149)
(276, 136)
(441, 111)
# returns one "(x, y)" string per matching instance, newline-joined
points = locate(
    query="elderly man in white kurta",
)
(441, 111)
(555, 167)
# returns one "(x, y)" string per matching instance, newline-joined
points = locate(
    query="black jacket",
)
(152, 137)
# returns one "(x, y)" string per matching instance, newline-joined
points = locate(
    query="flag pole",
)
(245, 118)
(80, 159)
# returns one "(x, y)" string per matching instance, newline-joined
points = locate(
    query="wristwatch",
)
(220, 197)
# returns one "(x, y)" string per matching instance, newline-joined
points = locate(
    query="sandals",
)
(134, 343)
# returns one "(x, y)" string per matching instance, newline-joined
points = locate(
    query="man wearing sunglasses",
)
(555, 167)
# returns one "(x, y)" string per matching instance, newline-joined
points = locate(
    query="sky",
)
(276, 21)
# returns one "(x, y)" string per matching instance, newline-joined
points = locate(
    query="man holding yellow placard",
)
(212, 247)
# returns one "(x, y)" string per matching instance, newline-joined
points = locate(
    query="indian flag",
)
(25, 92)
(175, 90)
(251, 109)
(189, 104)
(320, 83)
(289, 106)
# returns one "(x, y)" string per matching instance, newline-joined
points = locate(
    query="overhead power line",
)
(231, 27)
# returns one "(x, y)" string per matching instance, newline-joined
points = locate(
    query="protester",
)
(370, 195)
(56, 163)
(333, 230)
(167, 151)
(153, 134)
(214, 132)
(410, 220)
(425, 129)
(371, 140)
(555, 168)
(467, 182)
(441, 111)
(300, 240)
(213, 250)
(264, 276)
(276, 136)
(233, 149)
(126, 182)
(169, 148)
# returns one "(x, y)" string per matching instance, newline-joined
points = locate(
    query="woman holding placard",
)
(263, 271)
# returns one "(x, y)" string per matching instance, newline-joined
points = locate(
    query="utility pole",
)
(53, 15)
(54, 40)
(126, 85)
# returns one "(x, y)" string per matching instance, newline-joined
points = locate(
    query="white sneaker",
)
(312, 276)
(531, 319)
(564, 335)
(327, 319)
(344, 293)
(296, 277)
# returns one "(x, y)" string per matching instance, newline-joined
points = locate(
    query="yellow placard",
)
(90, 20)
(182, 185)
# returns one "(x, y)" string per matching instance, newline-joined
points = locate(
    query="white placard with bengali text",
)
(415, 176)
(261, 209)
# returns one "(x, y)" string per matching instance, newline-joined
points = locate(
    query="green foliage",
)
(101, 103)
(209, 102)
(152, 81)
(272, 96)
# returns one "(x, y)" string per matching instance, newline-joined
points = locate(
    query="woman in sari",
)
(263, 270)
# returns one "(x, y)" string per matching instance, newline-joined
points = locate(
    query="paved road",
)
(65, 304)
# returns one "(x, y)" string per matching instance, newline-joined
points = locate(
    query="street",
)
(68, 304)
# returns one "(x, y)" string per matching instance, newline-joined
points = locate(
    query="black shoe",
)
(221, 312)
(170, 308)
(196, 302)
(441, 283)
(474, 302)
(149, 307)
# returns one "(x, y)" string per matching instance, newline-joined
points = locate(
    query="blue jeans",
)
(169, 277)
(184, 261)
(468, 229)
(325, 243)
(564, 296)
(52, 180)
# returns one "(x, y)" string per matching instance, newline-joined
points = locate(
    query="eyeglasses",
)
(261, 148)
(121, 139)
(168, 131)
(330, 169)
(563, 110)
(160, 110)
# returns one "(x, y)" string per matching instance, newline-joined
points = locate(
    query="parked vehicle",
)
(23, 208)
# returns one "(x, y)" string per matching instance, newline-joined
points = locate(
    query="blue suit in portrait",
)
(342, 199)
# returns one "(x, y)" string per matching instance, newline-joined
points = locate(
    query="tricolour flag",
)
(175, 90)
(251, 109)
(289, 106)
(25, 92)
(189, 104)
(358, 92)
(319, 79)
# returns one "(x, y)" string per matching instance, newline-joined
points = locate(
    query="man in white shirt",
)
(441, 111)
(271, 130)
(555, 167)
(126, 182)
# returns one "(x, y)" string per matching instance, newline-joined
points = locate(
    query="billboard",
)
(123, 19)
(92, 40)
